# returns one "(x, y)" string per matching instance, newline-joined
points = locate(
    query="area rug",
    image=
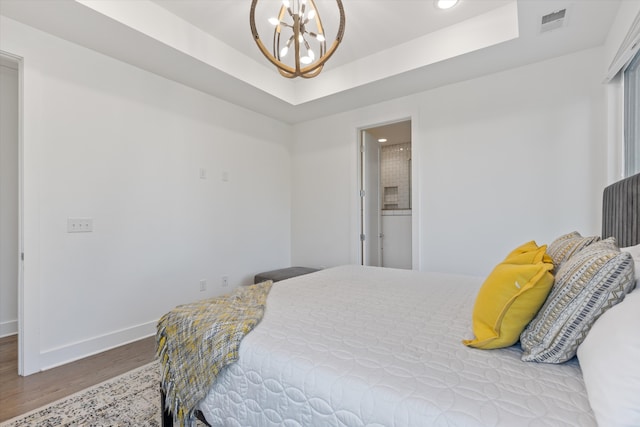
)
(131, 399)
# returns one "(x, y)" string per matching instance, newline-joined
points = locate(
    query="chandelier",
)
(299, 40)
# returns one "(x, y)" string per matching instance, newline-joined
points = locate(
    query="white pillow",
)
(610, 362)
(635, 254)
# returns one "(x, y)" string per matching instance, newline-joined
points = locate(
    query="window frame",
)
(631, 82)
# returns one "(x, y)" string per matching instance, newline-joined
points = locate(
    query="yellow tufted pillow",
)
(510, 297)
(528, 253)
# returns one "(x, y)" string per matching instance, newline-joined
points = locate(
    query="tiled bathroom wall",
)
(395, 176)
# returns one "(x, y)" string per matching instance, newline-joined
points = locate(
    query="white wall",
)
(498, 160)
(8, 198)
(106, 140)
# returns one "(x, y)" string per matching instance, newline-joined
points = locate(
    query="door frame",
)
(370, 223)
(415, 187)
(18, 62)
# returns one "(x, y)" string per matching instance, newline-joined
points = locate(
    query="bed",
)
(368, 346)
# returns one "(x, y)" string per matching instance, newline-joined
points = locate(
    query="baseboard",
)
(79, 350)
(8, 328)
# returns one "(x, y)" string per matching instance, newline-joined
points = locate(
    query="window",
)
(632, 117)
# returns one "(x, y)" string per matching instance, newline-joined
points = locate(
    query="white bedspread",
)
(362, 346)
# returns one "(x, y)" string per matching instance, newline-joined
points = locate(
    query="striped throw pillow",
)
(566, 245)
(587, 284)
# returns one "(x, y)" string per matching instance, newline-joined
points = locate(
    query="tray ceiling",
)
(391, 48)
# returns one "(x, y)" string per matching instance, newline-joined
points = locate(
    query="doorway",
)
(385, 195)
(9, 196)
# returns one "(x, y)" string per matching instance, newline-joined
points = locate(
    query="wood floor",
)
(23, 394)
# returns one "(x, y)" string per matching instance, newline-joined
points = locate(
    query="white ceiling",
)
(391, 48)
(372, 25)
(394, 133)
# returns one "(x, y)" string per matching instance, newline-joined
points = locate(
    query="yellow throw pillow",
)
(525, 248)
(509, 298)
(528, 253)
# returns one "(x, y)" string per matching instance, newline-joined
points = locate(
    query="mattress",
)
(366, 346)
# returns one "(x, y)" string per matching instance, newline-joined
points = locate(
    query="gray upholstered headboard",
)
(621, 211)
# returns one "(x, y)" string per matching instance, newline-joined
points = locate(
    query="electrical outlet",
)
(79, 225)
(203, 285)
(225, 281)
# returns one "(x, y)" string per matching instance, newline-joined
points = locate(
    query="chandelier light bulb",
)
(320, 38)
(311, 14)
(286, 3)
(284, 51)
(274, 21)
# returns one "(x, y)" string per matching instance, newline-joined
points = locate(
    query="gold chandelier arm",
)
(317, 18)
(311, 74)
(261, 46)
(286, 74)
(296, 41)
(277, 33)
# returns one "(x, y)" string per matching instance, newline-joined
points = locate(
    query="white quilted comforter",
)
(364, 346)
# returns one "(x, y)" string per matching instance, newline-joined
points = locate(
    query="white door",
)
(370, 198)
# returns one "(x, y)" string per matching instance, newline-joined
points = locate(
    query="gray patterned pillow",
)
(566, 245)
(587, 284)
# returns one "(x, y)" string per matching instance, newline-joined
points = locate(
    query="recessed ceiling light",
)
(446, 4)
(382, 140)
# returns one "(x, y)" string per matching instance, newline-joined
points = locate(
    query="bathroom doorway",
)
(385, 195)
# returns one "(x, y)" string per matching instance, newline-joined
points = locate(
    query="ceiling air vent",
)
(553, 20)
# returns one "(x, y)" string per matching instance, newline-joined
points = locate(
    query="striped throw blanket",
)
(195, 341)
